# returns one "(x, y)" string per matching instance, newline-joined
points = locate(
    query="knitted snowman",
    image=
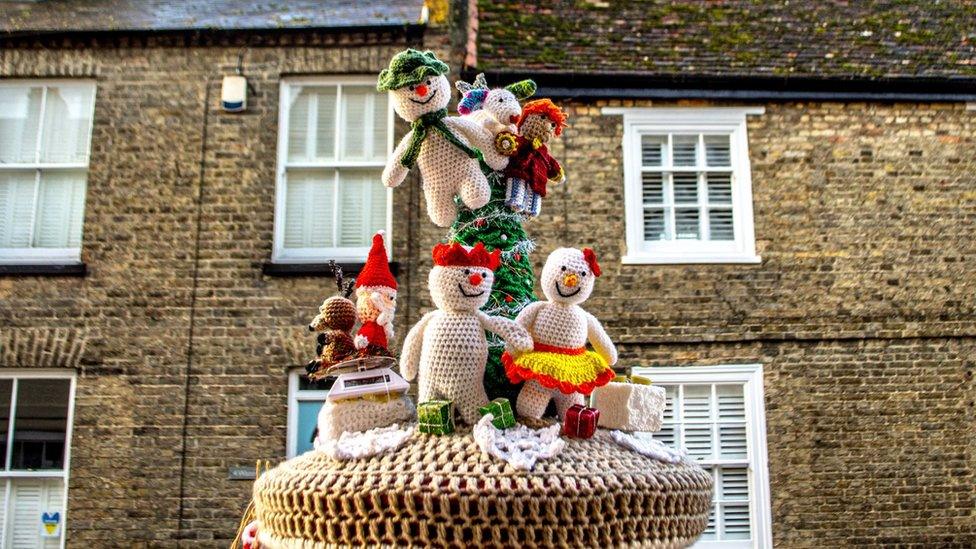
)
(560, 367)
(376, 291)
(440, 144)
(447, 347)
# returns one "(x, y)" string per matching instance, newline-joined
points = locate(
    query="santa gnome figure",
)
(376, 291)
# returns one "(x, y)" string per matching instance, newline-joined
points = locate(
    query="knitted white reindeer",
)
(496, 110)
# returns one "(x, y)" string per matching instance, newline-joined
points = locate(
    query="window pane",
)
(717, 152)
(36, 513)
(731, 402)
(686, 223)
(698, 440)
(20, 111)
(61, 209)
(697, 403)
(308, 414)
(40, 423)
(357, 122)
(721, 225)
(16, 208)
(362, 207)
(67, 124)
(735, 521)
(667, 435)
(652, 187)
(732, 442)
(653, 150)
(655, 227)
(304, 384)
(6, 386)
(719, 188)
(709, 533)
(685, 188)
(308, 209)
(735, 483)
(684, 150)
(311, 124)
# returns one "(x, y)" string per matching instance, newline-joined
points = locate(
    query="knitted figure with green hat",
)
(440, 145)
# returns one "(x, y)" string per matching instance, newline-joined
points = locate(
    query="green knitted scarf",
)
(421, 128)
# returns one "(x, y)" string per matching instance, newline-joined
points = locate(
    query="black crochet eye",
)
(427, 81)
(412, 87)
(582, 273)
(563, 267)
(467, 271)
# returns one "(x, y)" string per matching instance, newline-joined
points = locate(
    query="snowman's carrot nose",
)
(475, 279)
(421, 90)
(570, 280)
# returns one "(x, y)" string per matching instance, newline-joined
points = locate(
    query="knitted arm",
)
(555, 173)
(394, 173)
(466, 128)
(600, 340)
(514, 335)
(412, 345)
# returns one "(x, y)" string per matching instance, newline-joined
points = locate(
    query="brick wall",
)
(861, 311)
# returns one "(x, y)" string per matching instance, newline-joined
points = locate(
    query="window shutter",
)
(60, 209)
(325, 123)
(717, 151)
(16, 208)
(67, 119)
(28, 499)
(20, 109)
(298, 125)
(355, 126)
(685, 150)
(381, 117)
(362, 207)
(653, 150)
(696, 416)
(308, 209)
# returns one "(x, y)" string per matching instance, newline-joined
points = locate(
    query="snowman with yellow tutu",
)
(560, 367)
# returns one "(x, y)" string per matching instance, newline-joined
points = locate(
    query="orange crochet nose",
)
(475, 279)
(421, 90)
(570, 280)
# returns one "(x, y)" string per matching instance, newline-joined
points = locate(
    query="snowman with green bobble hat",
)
(440, 145)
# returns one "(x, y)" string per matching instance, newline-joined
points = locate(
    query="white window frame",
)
(295, 395)
(678, 120)
(751, 377)
(280, 254)
(46, 256)
(16, 374)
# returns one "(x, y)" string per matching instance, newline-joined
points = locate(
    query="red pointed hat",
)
(456, 255)
(376, 271)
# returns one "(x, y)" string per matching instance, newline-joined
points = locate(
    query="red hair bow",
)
(590, 258)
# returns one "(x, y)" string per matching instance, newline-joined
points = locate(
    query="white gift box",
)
(637, 406)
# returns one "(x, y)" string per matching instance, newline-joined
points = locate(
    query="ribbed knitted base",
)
(440, 490)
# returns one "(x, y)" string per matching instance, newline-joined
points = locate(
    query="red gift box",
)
(580, 421)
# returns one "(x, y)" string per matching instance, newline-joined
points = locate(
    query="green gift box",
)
(436, 417)
(501, 412)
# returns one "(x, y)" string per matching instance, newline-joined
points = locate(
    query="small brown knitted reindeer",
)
(335, 321)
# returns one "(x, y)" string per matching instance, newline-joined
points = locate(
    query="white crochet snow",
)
(520, 446)
(643, 444)
(356, 445)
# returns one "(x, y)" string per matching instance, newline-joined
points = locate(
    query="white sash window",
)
(334, 138)
(36, 409)
(716, 414)
(687, 185)
(45, 135)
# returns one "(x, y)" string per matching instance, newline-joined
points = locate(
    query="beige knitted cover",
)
(441, 491)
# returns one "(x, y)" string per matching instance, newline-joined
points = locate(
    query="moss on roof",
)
(854, 39)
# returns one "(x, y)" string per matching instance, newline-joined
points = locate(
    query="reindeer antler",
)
(337, 273)
(480, 83)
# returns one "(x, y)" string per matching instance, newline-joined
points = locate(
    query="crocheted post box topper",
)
(560, 367)
(447, 349)
(376, 292)
(439, 144)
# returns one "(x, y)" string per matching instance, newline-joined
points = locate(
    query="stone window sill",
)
(316, 269)
(44, 269)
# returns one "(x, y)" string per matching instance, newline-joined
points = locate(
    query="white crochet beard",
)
(409, 110)
(443, 284)
(552, 273)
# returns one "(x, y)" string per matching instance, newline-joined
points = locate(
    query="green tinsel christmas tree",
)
(499, 228)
